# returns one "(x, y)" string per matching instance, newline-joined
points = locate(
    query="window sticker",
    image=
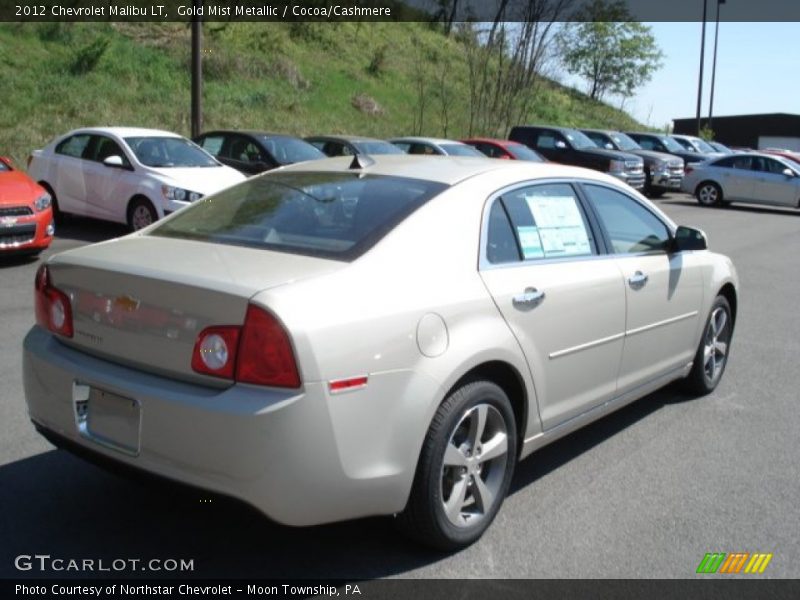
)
(530, 241)
(560, 226)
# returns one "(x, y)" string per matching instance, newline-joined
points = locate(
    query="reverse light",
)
(258, 352)
(215, 351)
(53, 308)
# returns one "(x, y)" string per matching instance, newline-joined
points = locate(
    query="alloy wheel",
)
(715, 348)
(474, 465)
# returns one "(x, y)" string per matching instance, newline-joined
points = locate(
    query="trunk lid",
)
(142, 300)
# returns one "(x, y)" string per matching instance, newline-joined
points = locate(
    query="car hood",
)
(16, 188)
(205, 180)
(609, 154)
(653, 155)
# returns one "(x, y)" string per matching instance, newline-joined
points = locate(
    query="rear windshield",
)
(522, 152)
(461, 150)
(330, 215)
(377, 147)
(287, 150)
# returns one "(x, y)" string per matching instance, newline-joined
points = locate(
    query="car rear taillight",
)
(53, 308)
(265, 352)
(215, 351)
(258, 352)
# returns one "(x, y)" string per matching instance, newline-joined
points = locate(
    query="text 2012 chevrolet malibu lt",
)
(374, 336)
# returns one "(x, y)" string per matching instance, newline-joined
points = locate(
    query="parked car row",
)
(137, 176)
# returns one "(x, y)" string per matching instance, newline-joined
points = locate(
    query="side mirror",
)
(561, 145)
(788, 172)
(114, 161)
(689, 238)
(609, 146)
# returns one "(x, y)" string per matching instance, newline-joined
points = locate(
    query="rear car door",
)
(67, 174)
(108, 189)
(663, 289)
(735, 176)
(564, 302)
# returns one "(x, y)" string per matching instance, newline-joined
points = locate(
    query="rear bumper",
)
(300, 457)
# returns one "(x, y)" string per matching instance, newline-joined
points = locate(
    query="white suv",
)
(126, 175)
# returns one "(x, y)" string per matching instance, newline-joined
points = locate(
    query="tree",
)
(613, 53)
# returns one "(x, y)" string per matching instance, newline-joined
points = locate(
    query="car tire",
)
(465, 468)
(709, 193)
(141, 214)
(713, 351)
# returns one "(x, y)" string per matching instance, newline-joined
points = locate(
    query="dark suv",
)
(663, 143)
(571, 147)
(662, 171)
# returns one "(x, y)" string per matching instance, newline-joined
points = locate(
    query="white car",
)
(126, 175)
(435, 146)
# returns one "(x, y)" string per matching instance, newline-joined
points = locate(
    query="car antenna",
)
(361, 161)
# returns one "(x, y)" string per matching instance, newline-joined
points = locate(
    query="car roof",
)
(553, 127)
(449, 170)
(344, 138)
(498, 141)
(251, 132)
(430, 140)
(124, 132)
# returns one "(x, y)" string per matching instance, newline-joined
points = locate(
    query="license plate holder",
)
(108, 419)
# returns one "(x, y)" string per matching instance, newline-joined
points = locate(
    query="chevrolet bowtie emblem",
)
(8, 221)
(126, 303)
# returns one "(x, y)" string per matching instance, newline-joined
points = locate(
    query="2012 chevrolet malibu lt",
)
(374, 335)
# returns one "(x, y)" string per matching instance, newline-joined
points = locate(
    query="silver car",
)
(435, 146)
(751, 177)
(374, 336)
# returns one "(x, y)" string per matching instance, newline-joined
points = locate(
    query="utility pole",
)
(197, 69)
(702, 59)
(714, 71)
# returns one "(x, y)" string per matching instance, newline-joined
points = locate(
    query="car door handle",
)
(638, 280)
(530, 298)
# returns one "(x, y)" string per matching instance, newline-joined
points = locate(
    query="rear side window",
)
(541, 221)
(330, 215)
(73, 146)
(212, 144)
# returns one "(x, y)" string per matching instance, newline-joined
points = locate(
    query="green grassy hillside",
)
(298, 78)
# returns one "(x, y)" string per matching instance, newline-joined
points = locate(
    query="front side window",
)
(169, 152)
(329, 215)
(542, 221)
(74, 146)
(102, 147)
(631, 228)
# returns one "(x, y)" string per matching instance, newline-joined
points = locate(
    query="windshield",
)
(329, 215)
(721, 148)
(461, 150)
(703, 146)
(579, 140)
(671, 144)
(4, 166)
(522, 152)
(287, 150)
(377, 147)
(624, 142)
(169, 152)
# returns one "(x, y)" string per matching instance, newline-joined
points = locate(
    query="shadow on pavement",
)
(84, 229)
(57, 504)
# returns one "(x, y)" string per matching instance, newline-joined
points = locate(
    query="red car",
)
(504, 149)
(787, 154)
(26, 218)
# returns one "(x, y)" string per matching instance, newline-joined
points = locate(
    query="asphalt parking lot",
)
(643, 493)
